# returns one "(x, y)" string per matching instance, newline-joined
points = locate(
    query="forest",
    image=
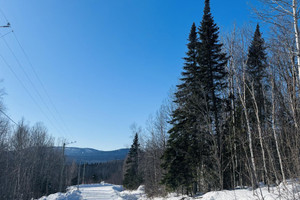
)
(30, 166)
(233, 120)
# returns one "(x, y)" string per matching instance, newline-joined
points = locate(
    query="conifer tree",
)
(133, 178)
(212, 62)
(256, 71)
(177, 159)
(257, 101)
(200, 98)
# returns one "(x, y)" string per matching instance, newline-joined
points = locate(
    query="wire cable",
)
(8, 117)
(30, 81)
(63, 125)
(6, 34)
(27, 91)
(40, 82)
(4, 15)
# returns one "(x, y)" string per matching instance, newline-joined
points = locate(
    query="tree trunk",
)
(296, 30)
(274, 129)
(259, 133)
(243, 101)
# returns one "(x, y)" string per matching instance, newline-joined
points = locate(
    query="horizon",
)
(93, 148)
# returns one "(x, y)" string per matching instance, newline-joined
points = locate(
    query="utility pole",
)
(62, 168)
(83, 174)
(78, 175)
(63, 165)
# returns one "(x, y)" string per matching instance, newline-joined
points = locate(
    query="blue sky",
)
(104, 63)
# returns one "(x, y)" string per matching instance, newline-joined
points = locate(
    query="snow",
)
(104, 191)
(290, 190)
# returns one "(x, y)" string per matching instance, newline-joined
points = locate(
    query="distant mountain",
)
(88, 155)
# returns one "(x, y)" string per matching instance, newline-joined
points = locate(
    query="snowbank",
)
(288, 191)
(71, 194)
(104, 191)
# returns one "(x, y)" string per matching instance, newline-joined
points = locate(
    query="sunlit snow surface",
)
(102, 191)
(105, 191)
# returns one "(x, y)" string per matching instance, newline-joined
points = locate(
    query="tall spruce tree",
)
(177, 158)
(200, 100)
(256, 71)
(133, 178)
(212, 62)
(257, 101)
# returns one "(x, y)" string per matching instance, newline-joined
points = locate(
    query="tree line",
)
(234, 118)
(109, 172)
(30, 164)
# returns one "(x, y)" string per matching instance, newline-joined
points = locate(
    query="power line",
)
(6, 34)
(29, 79)
(4, 15)
(31, 82)
(63, 125)
(40, 82)
(8, 117)
(27, 91)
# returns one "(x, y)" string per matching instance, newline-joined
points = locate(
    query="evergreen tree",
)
(133, 178)
(256, 71)
(177, 159)
(212, 62)
(199, 101)
(258, 105)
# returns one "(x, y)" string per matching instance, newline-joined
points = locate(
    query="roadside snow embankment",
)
(71, 194)
(104, 191)
(288, 191)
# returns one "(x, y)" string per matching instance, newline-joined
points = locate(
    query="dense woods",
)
(30, 164)
(109, 172)
(233, 119)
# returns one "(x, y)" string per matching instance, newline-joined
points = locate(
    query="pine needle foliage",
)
(132, 178)
(195, 131)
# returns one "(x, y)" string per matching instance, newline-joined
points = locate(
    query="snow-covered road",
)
(101, 191)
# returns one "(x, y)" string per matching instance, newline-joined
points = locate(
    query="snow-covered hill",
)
(88, 155)
(105, 191)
